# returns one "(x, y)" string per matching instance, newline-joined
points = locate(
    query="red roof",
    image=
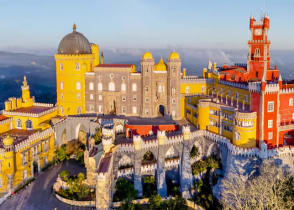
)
(33, 109)
(115, 65)
(19, 135)
(104, 164)
(2, 117)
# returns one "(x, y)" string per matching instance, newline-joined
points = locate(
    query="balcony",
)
(287, 125)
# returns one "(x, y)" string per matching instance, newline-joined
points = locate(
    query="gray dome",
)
(74, 43)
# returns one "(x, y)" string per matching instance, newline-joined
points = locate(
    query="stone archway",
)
(172, 153)
(148, 158)
(125, 162)
(213, 149)
(63, 137)
(161, 110)
(81, 133)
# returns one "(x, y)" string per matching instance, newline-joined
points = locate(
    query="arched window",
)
(61, 110)
(111, 86)
(134, 87)
(18, 123)
(29, 124)
(79, 110)
(123, 87)
(237, 135)
(61, 86)
(187, 89)
(78, 85)
(100, 86)
(257, 52)
(78, 66)
(291, 102)
(91, 86)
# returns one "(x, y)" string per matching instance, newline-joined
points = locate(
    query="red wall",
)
(144, 130)
(255, 107)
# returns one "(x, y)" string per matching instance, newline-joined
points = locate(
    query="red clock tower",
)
(259, 46)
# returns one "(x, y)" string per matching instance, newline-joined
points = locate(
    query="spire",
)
(209, 65)
(25, 83)
(74, 27)
(280, 78)
(102, 57)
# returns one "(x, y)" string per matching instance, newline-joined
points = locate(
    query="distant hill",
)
(40, 69)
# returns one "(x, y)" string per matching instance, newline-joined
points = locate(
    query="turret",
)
(26, 96)
(95, 52)
(161, 137)
(186, 133)
(8, 163)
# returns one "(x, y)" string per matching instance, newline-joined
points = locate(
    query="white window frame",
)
(61, 85)
(111, 86)
(100, 109)
(270, 106)
(79, 110)
(61, 66)
(99, 97)
(291, 102)
(270, 135)
(91, 107)
(100, 86)
(123, 98)
(123, 110)
(78, 66)
(123, 87)
(78, 85)
(237, 136)
(270, 124)
(91, 86)
(78, 96)
(134, 87)
(187, 89)
(91, 96)
(17, 124)
(134, 110)
(292, 116)
(61, 110)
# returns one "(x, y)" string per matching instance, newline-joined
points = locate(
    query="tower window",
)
(91, 97)
(270, 135)
(257, 52)
(237, 136)
(134, 87)
(78, 85)
(134, 98)
(99, 86)
(91, 106)
(111, 86)
(61, 66)
(134, 110)
(123, 98)
(270, 123)
(146, 99)
(78, 96)
(187, 89)
(91, 86)
(100, 108)
(123, 87)
(160, 89)
(174, 101)
(100, 97)
(291, 102)
(61, 86)
(123, 109)
(246, 98)
(111, 76)
(18, 123)
(79, 111)
(61, 110)
(61, 95)
(270, 106)
(29, 124)
(146, 89)
(173, 91)
(25, 174)
(78, 66)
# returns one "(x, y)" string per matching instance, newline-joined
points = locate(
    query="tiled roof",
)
(2, 117)
(104, 164)
(19, 135)
(32, 109)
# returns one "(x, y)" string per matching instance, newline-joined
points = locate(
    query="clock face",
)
(258, 32)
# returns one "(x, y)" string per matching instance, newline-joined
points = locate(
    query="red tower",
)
(259, 48)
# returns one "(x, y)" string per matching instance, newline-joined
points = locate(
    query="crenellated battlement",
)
(254, 86)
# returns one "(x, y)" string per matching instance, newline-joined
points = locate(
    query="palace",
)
(26, 139)
(246, 107)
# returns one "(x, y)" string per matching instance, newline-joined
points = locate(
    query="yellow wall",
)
(69, 76)
(4, 127)
(247, 135)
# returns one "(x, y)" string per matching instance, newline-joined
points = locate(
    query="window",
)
(173, 91)
(91, 86)
(291, 102)
(134, 98)
(61, 95)
(146, 89)
(111, 86)
(134, 110)
(146, 111)
(91, 107)
(174, 101)
(61, 86)
(46, 160)
(123, 77)
(237, 95)
(24, 159)
(134, 87)
(45, 146)
(123, 98)
(18, 123)
(257, 52)
(270, 123)
(99, 86)
(29, 124)
(203, 88)
(123, 109)
(123, 87)
(78, 66)
(293, 116)
(146, 100)
(173, 113)
(111, 76)
(159, 88)
(78, 85)
(61, 110)
(79, 111)
(100, 108)
(246, 98)
(100, 97)
(237, 136)
(78, 96)
(91, 97)
(61, 66)
(229, 93)
(270, 135)
(187, 89)
(270, 106)
(24, 174)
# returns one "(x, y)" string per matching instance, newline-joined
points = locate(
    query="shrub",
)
(60, 154)
(124, 190)
(149, 186)
(64, 175)
(98, 136)
(194, 152)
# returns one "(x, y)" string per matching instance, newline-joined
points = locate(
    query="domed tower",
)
(74, 58)
(173, 85)
(147, 64)
(8, 163)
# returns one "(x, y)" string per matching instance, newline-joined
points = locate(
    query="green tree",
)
(194, 152)
(124, 190)
(98, 136)
(155, 202)
(149, 186)
(60, 154)
(64, 175)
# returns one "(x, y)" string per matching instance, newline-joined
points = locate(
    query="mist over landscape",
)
(39, 66)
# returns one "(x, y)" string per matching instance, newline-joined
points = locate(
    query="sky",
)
(148, 24)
